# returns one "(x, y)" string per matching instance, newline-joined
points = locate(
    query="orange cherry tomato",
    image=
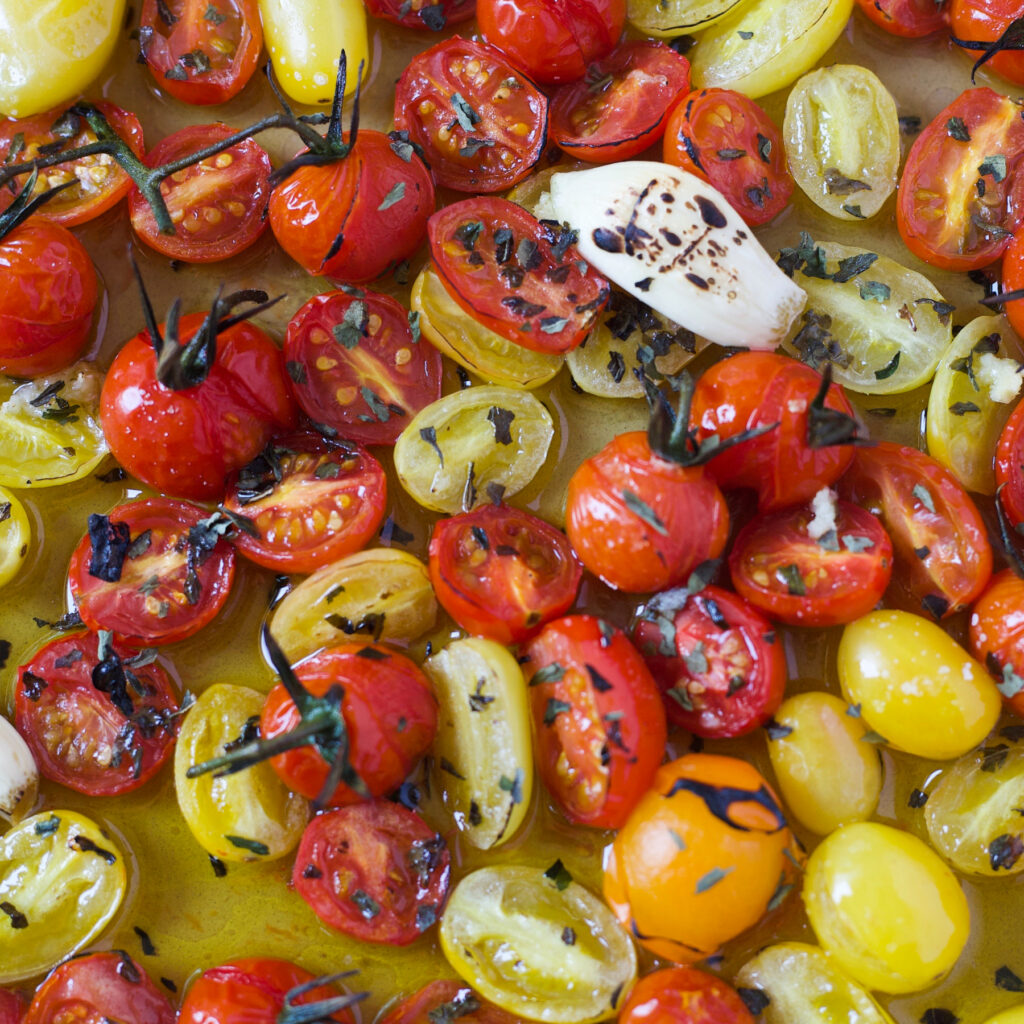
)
(981, 22)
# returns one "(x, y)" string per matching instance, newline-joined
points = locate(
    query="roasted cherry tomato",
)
(502, 573)
(375, 871)
(480, 123)
(218, 206)
(597, 716)
(719, 666)
(357, 365)
(101, 182)
(976, 24)
(201, 51)
(943, 559)
(152, 571)
(389, 711)
(813, 566)
(552, 42)
(997, 635)
(260, 990)
(911, 18)
(684, 995)
(1009, 462)
(449, 999)
(12, 1007)
(1013, 280)
(620, 108)
(98, 719)
(434, 15)
(353, 219)
(961, 196)
(100, 987)
(726, 139)
(520, 277)
(309, 501)
(222, 421)
(702, 858)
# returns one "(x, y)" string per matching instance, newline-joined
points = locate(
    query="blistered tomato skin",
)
(886, 907)
(996, 635)
(684, 995)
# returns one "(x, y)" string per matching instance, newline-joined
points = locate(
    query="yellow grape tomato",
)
(915, 685)
(886, 907)
(1013, 1015)
(15, 536)
(671, 18)
(828, 772)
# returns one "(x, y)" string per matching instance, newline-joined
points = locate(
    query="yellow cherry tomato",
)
(305, 39)
(886, 907)
(1013, 1015)
(915, 685)
(671, 18)
(52, 50)
(15, 536)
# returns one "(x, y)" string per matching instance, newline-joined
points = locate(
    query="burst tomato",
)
(911, 18)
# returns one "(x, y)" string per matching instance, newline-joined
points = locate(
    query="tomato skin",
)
(12, 1007)
(735, 639)
(684, 995)
(984, 21)
(908, 18)
(326, 501)
(48, 292)
(943, 558)
(596, 767)
(233, 52)
(416, 1008)
(401, 374)
(251, 990)
(138, 613)
(74, 730)
(218, 205)
(996, 635)
(315, 205)
(552, 42)
(375, 871)
(389, 710)
(426, 16)
(622, 547)
(501, 572)
(621, 120)
(1009, 459)
(224, 422)
(756, 389)
(938, 205)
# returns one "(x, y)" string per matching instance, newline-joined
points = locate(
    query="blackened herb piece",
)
(391, 532)
(367, 905)
(429, 434)
(1004, 851)
(910, 124)
(214, 16)
(994, 166)
(789, 576)
(837, 184)
(148, 949)
(519, 306)
(548, 674)
(1008, 980)
(466, 234)
(918, 798)
(48, 827)
(890, 367)
(776, 730)
(219, 867)
(513, 786)
(503, 240)
(353, 325)
(956, 129)
(86, 845)
(754, 999)
(447, 766)
(874, 291)
(558, 875)
(464, 113)
(17, 918)
(501, 419)
(993, 758)
(425, 856)
(555, 708)
(426, 916)
(252, 845)
(851, 266)
(110, 542)
(32, 684)
(463, 1003)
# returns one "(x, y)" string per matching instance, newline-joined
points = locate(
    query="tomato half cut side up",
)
(101, 182)
(481, 124)
(306, 501)
(217, 206)
(201, 51)
(908, 18)
(358, 365)
(598, 719)
(516, 275)
(98, 719)
(620, 107)
(501, 572)
(961, 196)
(719, 665)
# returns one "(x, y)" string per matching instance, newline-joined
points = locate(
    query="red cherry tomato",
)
(620, 108)
(684, 995)
(105, 183)
(162, 579)
(910, 18)
(756, 389)
(552, 41)
(982, 22)
(85, 721)
(99, 987)
(310, 501)
(221, 424)
(1009, 463)
(997, 635)
(218, 205)
(715, 658)
(389, 711)
(516, 275)
(1013, 280)
(353, 219)
(375, 871)
(356, 366)
(201, 51)
(961, 196)
(253, 990)
(480, 124)
(727, 140)
(12, 1007)
(630, 516)
(803, 580)
(598, 719)
(943, 559)
(502, 573)
(48, 292)
(444, 999)
(433, 16)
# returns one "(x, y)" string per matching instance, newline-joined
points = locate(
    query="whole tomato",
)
(182, 423)
(975, 24)
(997, 635)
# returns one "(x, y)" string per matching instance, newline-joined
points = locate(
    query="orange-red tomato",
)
(445, 999)
(684, 995)
(981, 22)
(997, 635)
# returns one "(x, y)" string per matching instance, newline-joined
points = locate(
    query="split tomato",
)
(910, 18)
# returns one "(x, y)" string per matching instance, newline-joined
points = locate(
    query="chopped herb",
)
(918, 798)
(1011, 684)
(837, 184)
(391, 532)
(17, 918)
(744, 35)
(776, 730)
(754, 999)
(702, 575)
(696, 661)
(935, 605)
(559, 875)
(851, 266)
(463, 1003)
(569, 936)
(731, 154)
(252, 845)
(676, 838)
(994, 167)
(426, 917)
(789, 576)
(86, 845)
(513, 786)
(937, 1015)
(447, 766)
(353, 325)
(214, 16)
(711, 879)
(219, 867)
(956, 129)
(552, 324)
(429, 434)
(923, 495)
(48, 827)
(910, 124)
(962, 408)
(464, 113)
(890, 367)
(854, 210)
(395, 195)
(1008, 980)
(764, 148)
(148, 949)
(555, 708)
(640, 508)
(993, 758)
(110, 542)
(367, 905)
(501, 420)
(468, 233)
(874, 291)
